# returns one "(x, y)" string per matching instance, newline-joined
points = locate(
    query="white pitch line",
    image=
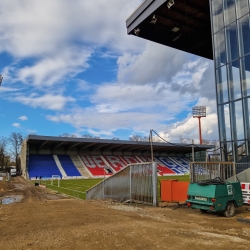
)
(72, 190)
(79, 185)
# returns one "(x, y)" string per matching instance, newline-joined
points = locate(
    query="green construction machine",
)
(213, 194)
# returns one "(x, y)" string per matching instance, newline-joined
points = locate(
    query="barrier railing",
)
(134, 183)
(209, 170)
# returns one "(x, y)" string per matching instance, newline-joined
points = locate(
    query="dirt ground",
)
(45, 220)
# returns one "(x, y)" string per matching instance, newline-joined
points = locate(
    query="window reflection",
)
(245, 75)
(244, 35)
(222, 89)
(219, 48)
(226, 149)
(234, 80)
(231, 43)
(217, 9)
(241, 7)
(246, 104)
(229, 11)
(237, 120)
(239, 150)
(224, 123)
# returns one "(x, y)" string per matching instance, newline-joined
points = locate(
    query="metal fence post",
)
(234, 172)
(130, 183)
(155, 185)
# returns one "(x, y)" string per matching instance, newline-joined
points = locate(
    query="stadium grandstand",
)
(69, 158)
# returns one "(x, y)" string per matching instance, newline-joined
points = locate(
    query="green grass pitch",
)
(77, 187)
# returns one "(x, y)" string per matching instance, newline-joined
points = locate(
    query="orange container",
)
(174, 190)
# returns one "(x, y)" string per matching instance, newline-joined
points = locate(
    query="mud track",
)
(45, 220)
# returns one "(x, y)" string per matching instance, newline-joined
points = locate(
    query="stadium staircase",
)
(68, 165)
(42, 165)
(95, 164)
(80, 166)
(163, 169)
(115, 162)
(59, 165)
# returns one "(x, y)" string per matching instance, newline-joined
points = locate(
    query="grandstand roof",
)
(185, 26)
(69, 143)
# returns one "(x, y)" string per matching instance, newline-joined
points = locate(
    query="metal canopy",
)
(78, 144)
(185, 26)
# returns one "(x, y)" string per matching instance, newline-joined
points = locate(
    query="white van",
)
(13, 172)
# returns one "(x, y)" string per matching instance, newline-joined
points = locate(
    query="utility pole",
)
(152, 151)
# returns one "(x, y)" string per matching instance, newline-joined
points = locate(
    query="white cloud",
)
(17, 125)
(51, 69)
(23, 118)
(41, 27)
(7, 89)
(149, 98)
(48, 101)
(31, 131)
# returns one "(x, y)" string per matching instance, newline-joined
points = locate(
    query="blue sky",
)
(71, 68)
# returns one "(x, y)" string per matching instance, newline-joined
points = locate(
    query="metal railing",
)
(134, 183)
(200, 171)
(243, 172)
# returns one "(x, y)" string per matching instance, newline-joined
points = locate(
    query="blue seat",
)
(42, 165)
(68, 165)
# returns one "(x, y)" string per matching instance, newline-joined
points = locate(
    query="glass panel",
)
(237, 121)
(246, 105)
(222, 90)
(248, 148)
(229, 11)
(234, 80)
(219, 48)
(245, 75)
(217, 12)
(224, 123)
(241, 7)
(231, 43)
(239, 150)
(244, 35)
(227, 154)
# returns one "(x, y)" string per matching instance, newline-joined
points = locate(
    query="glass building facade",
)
(231, 47)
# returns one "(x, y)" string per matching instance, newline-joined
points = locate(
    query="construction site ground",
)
(43, 219)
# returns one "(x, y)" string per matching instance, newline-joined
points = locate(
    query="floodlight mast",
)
(198, 112)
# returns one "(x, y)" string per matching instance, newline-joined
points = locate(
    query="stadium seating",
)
(115, 162)
(94, 164)
(163, 170)
(174, 166)
(129, 159)
(181, 161)
(68, 165)
(42, 165)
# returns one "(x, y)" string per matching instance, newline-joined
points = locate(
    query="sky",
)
(70, 67)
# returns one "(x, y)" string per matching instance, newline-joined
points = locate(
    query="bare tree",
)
(90, 136)
(15, 141)
(67, 135)
(116, 138)
(4, 154)
(138, 138)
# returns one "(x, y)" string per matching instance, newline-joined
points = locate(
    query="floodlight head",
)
(1, 79)
(199, 111)
(137, 31)
(170, 3)
(154, 20)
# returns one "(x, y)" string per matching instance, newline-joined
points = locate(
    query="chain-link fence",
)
(200, 171)
(135, 183)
